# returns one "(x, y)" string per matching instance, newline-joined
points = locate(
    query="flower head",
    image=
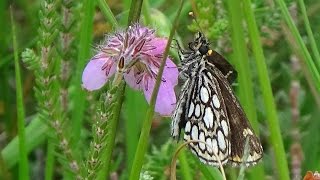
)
(137, 54)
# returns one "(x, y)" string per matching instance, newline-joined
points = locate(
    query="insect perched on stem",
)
(208, 110)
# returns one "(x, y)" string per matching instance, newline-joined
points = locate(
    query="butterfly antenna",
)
(191, 14)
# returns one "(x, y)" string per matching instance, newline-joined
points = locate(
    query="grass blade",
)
(265, 86)
(313, 43)
(303, 49)
(23, 153)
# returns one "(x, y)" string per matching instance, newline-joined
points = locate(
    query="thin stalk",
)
(49, 161)
(107, 12)
(135, 110)
(304, 68)
(146, 12)
(304, 51)
(112, 129)
(246, 93)
(241, 60)
(145, 131)
(23, 155)
(78, 97)
(126, 4)
(185, 168)
(265, 85)
(313, 43)
(135, 11)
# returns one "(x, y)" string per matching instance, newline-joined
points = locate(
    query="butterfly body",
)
(208, 110)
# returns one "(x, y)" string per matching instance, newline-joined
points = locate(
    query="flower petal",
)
(160, 44)
(93, 76)
(170, 72)
(132, 80)
(166, 99)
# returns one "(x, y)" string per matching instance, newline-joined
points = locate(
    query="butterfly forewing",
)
(209, 112)
(223, 65)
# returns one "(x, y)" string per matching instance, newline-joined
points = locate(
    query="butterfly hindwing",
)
(206, 120)
(178, 116)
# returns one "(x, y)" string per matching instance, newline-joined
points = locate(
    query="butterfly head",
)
(200, 44)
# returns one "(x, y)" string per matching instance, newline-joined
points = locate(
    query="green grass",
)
(23, 155)
(241, 60)
(265, 85)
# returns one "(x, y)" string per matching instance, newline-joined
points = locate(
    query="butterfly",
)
(208, 110)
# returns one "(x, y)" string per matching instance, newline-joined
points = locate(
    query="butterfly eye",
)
(203, 49)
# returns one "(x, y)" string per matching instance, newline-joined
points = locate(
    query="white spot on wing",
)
(191, 109)
(197, 110)
(215, 101)
(194, 132)
(224, 126)
(215, 146)
(188, 127)
(221, 140)
(208, 117)
(204, 94)
(201, 138)
(209, 143)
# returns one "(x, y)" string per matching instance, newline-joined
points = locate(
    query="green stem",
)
(135, 11)
(241, 60)
(146, 12)
(107, 12)
(265, 85)
(246, 87)
(304, 51)
(135, 109)
(23, 155)
(144, 136)
(50, 160)
(78, 97)
(112, 129)
(310, 34)
(185, 168)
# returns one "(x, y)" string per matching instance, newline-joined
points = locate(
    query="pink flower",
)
(141, 53)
